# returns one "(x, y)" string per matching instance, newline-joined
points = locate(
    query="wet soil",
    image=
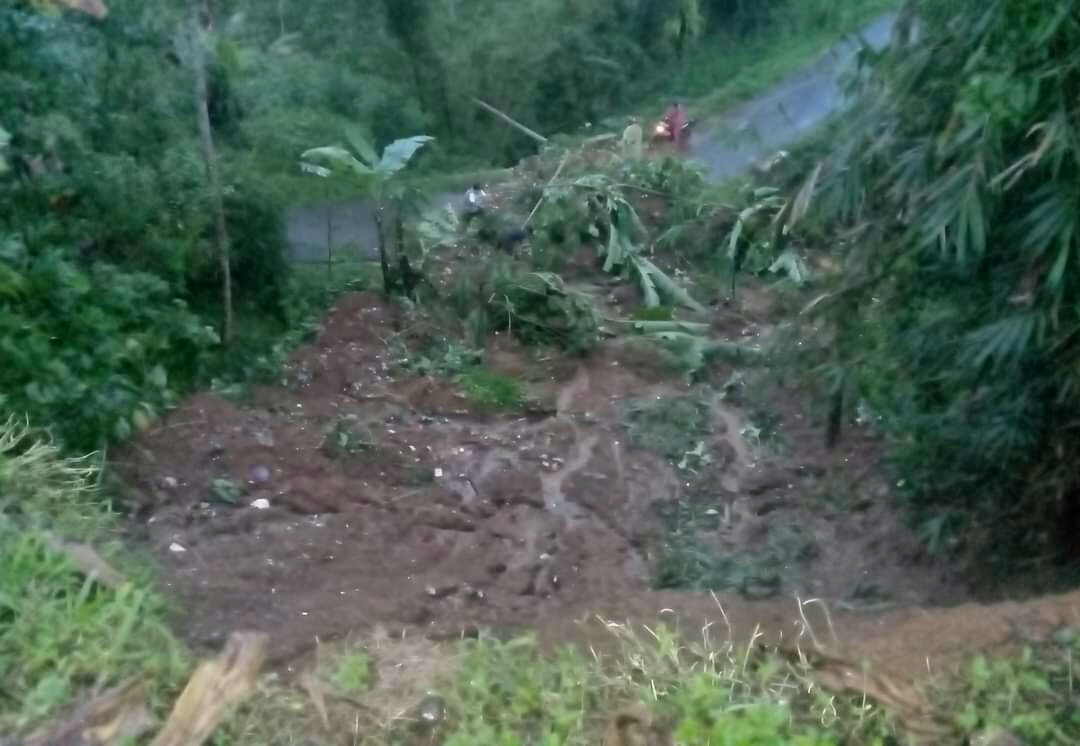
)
(354, 494)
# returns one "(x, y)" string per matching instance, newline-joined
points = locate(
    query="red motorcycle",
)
(662, 131)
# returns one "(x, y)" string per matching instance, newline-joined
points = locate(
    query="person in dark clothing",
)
(510, 238)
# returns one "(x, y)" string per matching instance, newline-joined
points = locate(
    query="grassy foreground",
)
(64, 634)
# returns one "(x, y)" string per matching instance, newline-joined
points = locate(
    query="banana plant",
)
(608, 212)
(379, 176)
(785, 214)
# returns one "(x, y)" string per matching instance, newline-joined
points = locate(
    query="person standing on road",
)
(631, 140)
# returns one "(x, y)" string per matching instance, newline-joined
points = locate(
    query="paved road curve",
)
(732, 142)
(726, 145)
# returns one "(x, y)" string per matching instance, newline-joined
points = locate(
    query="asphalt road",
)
(729, 144)
(725, 146)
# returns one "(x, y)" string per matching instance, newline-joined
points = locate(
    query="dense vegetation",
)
(952, 200)
(110, 259)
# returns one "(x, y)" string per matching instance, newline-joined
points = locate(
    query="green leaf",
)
(337, 158)
(792, 265)
(668, 286)
(314, 170)
(361, 146)
(1004, 340)
(737, 231)
(648, 287)
(801, 205)
(686, 327)
(159, 377)
(614, 252)
(1057, 272)
(397, 154)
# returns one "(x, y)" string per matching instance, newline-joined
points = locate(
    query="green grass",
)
(1031, 694)
(490, 692)
(670, 427)
(482, 386)
(351, 672)
(700, 686)
(658, 313)
(61, 633)
(490, 389)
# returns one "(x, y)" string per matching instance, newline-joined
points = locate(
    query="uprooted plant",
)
(536, 307)
(750, 231)
(593, 210)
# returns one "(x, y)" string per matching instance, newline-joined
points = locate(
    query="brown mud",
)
(354, 495)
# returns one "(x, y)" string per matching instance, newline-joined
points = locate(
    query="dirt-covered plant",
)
(536, 307)
(592, 210)
(745, 228)
(954, 197)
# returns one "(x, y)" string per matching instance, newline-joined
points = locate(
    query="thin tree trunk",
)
(383, 263)
(329, 236)
(399, 231)
(200, 9)
(447, 111)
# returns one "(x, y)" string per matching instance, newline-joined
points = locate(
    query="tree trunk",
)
(383, 263)
(200, 18)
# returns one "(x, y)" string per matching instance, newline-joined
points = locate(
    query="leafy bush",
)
(259, 259)
(93, 353)
(536, 307)
(956, 317)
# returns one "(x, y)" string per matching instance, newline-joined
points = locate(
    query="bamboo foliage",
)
(959, 172)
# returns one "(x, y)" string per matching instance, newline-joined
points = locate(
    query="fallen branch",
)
(214, 689)
(87, 561)
(512, 122)
(119, 715)
(912, 709)
(551, 181)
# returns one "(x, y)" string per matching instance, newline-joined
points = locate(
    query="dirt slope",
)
(392, 500)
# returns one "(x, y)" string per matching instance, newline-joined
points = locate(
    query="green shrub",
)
(956, 315)
(259, 256)
(61, 633)
(95, 353)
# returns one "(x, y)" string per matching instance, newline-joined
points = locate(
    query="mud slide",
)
(356, 494)
(726, 146)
